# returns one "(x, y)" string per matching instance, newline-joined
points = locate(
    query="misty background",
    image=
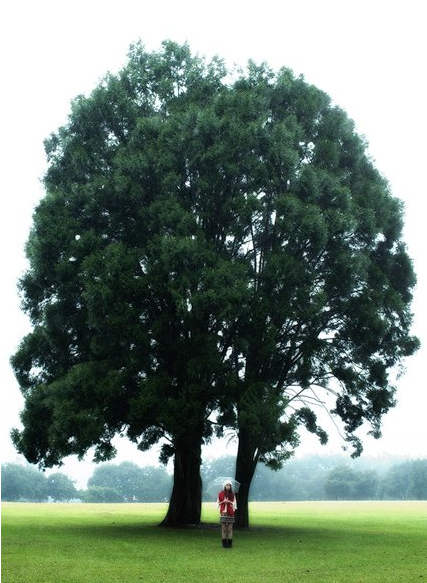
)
(369, 57)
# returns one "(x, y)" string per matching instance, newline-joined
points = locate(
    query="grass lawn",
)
(310, 542)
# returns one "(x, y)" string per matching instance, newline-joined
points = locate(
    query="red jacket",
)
(226, 502)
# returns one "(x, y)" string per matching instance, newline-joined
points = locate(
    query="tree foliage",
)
(61, 488)
(343, 483)
(22, 483)
(26, 483)
(406, 481)
(208, 255)
(101, 494)
(133, 483)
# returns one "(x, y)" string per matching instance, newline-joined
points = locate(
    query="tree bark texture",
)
(246, 463)
(185, 505)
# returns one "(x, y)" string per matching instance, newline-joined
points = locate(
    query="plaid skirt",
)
(225, 519)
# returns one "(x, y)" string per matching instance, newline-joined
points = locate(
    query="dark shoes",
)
(227, 543)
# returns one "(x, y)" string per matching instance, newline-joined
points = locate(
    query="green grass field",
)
(310, 542)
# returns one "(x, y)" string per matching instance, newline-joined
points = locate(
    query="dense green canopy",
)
(208, 255)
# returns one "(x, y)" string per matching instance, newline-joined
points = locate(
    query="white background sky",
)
(368, 55)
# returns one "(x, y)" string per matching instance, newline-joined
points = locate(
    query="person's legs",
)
(224, 534)
(230, 535)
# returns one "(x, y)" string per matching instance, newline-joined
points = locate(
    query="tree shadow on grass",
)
(119, 530)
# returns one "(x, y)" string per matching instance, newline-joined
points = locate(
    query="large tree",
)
(330, 279)
(206, 255)
(129, 289)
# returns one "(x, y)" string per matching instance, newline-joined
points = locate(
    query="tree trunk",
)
(246, 463)
(185, 505)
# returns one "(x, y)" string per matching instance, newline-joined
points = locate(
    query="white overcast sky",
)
(368, 55)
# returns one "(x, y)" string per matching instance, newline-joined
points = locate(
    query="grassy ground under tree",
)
(312, 542)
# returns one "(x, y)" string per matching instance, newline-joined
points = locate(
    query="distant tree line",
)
(335, 479)
(125, 482)
(26, 483)
(313, 478)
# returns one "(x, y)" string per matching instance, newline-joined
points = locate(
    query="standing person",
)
(227, 505)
